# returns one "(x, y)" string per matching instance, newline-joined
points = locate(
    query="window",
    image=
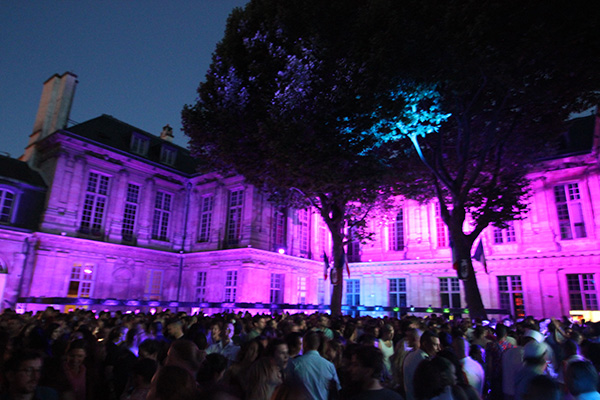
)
(230, 286)
(450, 292)
(276, 295)
(279, 217)
(7, 200)
(168, 155)
(162, 212)
(397, 232)
(569, 211)
(129, 214)
(301, 290)
(510, 289)
(139, 144)
(353, 246)
(153, 284)
(397, 294)
(92, 217)
(81, 280)
(201, 287)
(206, 209)
(506, 235)
(303, 232)
(321, 291)
(353, 294)
(440, 228)
(582, 291)
(234, 216)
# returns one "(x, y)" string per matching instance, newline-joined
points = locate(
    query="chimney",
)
(54, 109)
(167, 133)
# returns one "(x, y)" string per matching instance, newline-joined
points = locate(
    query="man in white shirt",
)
(472, 370)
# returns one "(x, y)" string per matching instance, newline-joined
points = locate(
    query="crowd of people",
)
(84, 355)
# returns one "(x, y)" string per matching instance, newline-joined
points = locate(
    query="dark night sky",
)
(139, 61)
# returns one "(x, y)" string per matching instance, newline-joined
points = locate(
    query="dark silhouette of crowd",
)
(82, 355)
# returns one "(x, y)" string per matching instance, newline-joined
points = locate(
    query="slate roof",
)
(113, 133)
(579, 139)
(17, 170)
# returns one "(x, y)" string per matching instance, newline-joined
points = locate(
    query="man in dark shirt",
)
(366, 367)
(23, 371)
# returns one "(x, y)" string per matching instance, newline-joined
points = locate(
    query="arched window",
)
(7, 201)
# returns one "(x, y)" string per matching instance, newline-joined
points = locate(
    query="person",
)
(22, 372)
(316, 373)
(75, 369)
(542, 387)
(429, 345)
(386, 345)
(472, 370)
(435, 379)
(225, 345)
(142, 372)
(493, 369)
(279, 353)
(366, 368)
(259, 323)
(263, 377)
(175, 329)
(185, 354)
(172, 383)
(582, 380)
(535, 363)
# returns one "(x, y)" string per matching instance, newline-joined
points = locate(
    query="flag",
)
(454, 256)
(479, 256)
(326, 260)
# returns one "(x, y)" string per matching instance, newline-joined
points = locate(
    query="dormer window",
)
(139, 144)
(7, 199)
(168, 155)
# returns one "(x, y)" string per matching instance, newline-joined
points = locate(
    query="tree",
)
(283, 104)
(488, 84)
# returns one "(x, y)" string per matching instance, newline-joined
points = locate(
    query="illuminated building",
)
(103, 210)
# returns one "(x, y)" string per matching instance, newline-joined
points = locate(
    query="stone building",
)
(104, 215)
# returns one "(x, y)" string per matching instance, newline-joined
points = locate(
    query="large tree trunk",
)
(461, 255)
(338, 283)
(333, 213)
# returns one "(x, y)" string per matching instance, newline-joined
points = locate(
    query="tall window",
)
(303, 232)
(353, 252)
(397, 232)
(153, 284)
(81, 281)
(131, 206)
(206, 211)
(397, 294)
(506, 235)
(234, 216)
(440, 227)
(94, 206)
(353, 294)
(450, 292)
(321, 291)
(230, 286)
(201, 286)
(582, 291)
(510, 289)
(7, 200)
(279, 217)
(139, 144)
(569, 211)
(301, 290)
(162, 213)
(276, 295)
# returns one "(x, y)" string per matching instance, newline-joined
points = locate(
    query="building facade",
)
(108, 215)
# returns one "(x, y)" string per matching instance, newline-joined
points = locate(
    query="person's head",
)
(461, 347)
(294, 342)
(264, 376)
(23, 370)
(172, 383)
(175, 328)
(387, 332)
(366, 364)
(149, 348)
(278, 351)
(542, 387)
(312, 341)
(570, 348)
(76, 353)
(229, 331)
(249, 352)
(430, 343)
(215, 330)
(501, 331)
(581, 377)
(143, 370)
(323, 321)
(259, 322)
(185, 354)
(413, 338)
(212, 369)
(534, 353)
(432, 376)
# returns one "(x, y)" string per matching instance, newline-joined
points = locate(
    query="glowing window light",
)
(281, 251)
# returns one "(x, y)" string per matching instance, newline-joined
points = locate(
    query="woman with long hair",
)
(264, 376)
